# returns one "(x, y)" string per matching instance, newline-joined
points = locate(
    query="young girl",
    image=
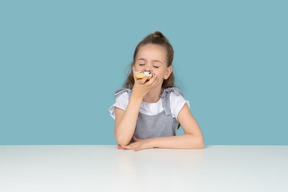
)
(147, 113)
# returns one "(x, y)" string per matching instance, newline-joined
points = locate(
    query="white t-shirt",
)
(176, 104)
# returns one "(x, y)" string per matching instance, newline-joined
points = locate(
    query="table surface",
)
(86, 168)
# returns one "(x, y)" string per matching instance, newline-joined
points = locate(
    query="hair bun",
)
(158, 34)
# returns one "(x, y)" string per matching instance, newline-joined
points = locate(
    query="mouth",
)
(142, 74)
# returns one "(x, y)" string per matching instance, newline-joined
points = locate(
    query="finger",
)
(155, 82)
(152, 80)
(132, 146)
(137, 148)
(126, 147)
(119, 147)
(144, 79)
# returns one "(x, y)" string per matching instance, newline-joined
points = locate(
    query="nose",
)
(147, 68)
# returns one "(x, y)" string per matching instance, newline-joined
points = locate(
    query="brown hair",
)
(156, 38)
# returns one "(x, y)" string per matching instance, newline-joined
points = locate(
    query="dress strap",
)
(165, 96)
(122, 90)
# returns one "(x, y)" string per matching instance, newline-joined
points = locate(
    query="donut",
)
(142, 74)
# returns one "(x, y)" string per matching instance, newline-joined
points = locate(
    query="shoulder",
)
(177, 102)
(122, 91)
(176, 97)
(122, 95)
(122, 99)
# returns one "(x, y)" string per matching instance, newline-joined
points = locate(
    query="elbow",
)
(122, 141)
(197, 142)
(201, 143)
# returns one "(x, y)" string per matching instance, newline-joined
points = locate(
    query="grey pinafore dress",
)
(159, 125)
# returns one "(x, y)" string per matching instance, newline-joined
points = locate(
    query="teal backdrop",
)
(61, 62)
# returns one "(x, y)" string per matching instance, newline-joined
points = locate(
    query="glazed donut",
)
(142, 74)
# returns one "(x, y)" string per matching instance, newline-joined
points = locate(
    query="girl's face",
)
(152, 58)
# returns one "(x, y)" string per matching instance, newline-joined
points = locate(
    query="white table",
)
(102, 168)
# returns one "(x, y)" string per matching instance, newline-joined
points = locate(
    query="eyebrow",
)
(152, 60)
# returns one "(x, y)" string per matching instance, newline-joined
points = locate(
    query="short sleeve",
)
(176, 104)
(121, 102)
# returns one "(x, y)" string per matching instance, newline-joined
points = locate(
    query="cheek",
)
(138, 68)
(160, 73)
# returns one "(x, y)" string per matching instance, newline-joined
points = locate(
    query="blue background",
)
(61, 61)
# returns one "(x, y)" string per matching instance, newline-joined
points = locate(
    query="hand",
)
(142, 86)
(138, 144)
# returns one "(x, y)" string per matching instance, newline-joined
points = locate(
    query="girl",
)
(147, 113)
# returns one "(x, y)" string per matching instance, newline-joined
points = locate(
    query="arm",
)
(192, 139)
(125, 121)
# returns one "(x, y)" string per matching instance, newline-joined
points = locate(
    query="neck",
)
(153, 95)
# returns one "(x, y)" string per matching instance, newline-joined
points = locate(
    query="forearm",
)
(187, 141)
(126, 127)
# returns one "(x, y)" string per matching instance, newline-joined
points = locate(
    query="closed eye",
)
(156, 66)
(141, 64)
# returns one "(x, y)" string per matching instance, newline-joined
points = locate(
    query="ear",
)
(168, 72)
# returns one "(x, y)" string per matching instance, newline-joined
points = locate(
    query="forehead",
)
(152, 52)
